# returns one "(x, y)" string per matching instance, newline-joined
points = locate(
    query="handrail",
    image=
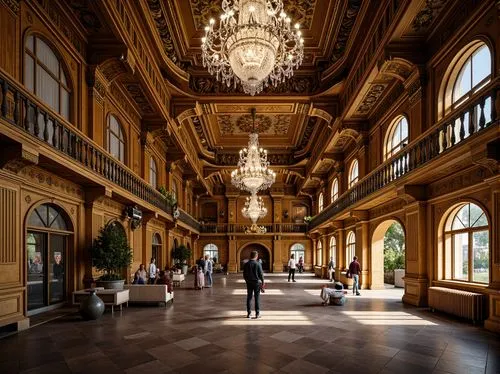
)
(444, 135)
(25, 111)
(221, 228)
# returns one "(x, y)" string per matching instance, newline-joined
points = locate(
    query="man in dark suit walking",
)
(254, 278)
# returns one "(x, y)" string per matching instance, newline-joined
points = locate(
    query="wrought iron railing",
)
(272, 228)
(462, 123)
(25, 111)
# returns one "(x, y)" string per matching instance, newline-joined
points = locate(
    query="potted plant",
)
(169, 196)
(181, 255)
(307, 219)
(111, 254)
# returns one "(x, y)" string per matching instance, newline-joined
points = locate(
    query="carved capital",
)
(16, 157)
(488, 157)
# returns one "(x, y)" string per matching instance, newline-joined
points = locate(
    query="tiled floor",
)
(207, 332)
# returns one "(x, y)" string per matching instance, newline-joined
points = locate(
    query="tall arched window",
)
(298, 250)
(474, 73)
(467, 244)
(397, 137)
(115, 138)
(353, 173)
(153, 173)
(211, 250)
(335, 190)
(320, 202)
(319, 253)
(44, 75)
(333, 249)
(350, 247)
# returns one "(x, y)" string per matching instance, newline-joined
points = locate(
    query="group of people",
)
(153, 275)
(203, 273)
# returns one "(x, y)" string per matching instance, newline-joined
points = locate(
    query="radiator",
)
(463, 304)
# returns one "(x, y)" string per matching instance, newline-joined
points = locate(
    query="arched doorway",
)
(48, 233)
(387, 252)
(264, 255)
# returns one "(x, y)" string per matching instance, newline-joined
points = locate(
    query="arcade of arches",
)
(391, 118)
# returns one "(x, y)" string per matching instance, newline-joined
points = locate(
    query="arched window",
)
(467, 244)
(353, 173)
(475, 72)
(156, 248)
(48, 229)
(115, 138)
(212, 250)
(153, 174)
(319, 253)
(298, 250)
(333, 249)
(350, 247)
(44, 75)
(335, 190)
(397, 137)
(320, 202)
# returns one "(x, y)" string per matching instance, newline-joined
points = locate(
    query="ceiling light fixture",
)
(255, 45)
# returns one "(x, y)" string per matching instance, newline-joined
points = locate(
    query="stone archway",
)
(377, 253)
(264, 255)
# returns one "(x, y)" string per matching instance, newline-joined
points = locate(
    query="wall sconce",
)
(285, 213)
(221, 213)
(135, 215)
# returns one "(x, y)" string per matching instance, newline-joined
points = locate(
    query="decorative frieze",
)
(37, 176)
(345, 30)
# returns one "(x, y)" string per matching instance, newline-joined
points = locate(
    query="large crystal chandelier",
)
(255, 44)
(253, 173)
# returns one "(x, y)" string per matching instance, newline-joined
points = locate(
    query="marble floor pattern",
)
(206, 332)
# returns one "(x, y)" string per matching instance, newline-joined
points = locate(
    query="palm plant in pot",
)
(111, 254)
(181, 255)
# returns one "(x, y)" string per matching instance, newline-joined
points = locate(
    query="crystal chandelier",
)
(254, 45)
(254, 208)
(253, 174)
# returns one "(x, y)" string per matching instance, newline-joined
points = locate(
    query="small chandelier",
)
(254, 209)
(253, 174)
(254, 45)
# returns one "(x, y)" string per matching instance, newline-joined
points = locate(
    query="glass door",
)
(56, 270)
(36, 257)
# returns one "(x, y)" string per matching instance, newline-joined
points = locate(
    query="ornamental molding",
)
(137, 94)
(162, 23)
(13, 5)
(37, 176)
(300, 11)
(267, 125)
(424, 19)
(345, 30)
(296, 85)
(275, 159)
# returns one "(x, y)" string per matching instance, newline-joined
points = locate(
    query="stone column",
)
(493, 321)
(325, 241)
(416, 277)
(277, 248)
(362, 248)
(340, 256)
(232, 266)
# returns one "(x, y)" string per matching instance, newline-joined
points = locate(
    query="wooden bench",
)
(109, 297)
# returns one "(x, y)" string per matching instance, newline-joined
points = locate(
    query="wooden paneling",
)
(8, 225)
(11, 308)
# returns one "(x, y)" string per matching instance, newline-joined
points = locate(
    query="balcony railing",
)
(459, 125)
(272, 228)
(23, 110)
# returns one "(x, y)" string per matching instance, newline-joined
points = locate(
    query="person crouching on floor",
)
(337, 294)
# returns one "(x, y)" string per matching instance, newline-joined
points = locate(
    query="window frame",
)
(319, 253)
(333, 248)
(121, 139)
(62, 72)
(211, 251)
(334, 191)
(389, 149)
(153, 172)
(294, 250)
(321, 202)
(449, 240)
(350, 247)
(352, 181)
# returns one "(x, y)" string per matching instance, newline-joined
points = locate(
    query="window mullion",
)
(471, 257)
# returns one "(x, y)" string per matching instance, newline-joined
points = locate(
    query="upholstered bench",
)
(149, 293)
(109, 297)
